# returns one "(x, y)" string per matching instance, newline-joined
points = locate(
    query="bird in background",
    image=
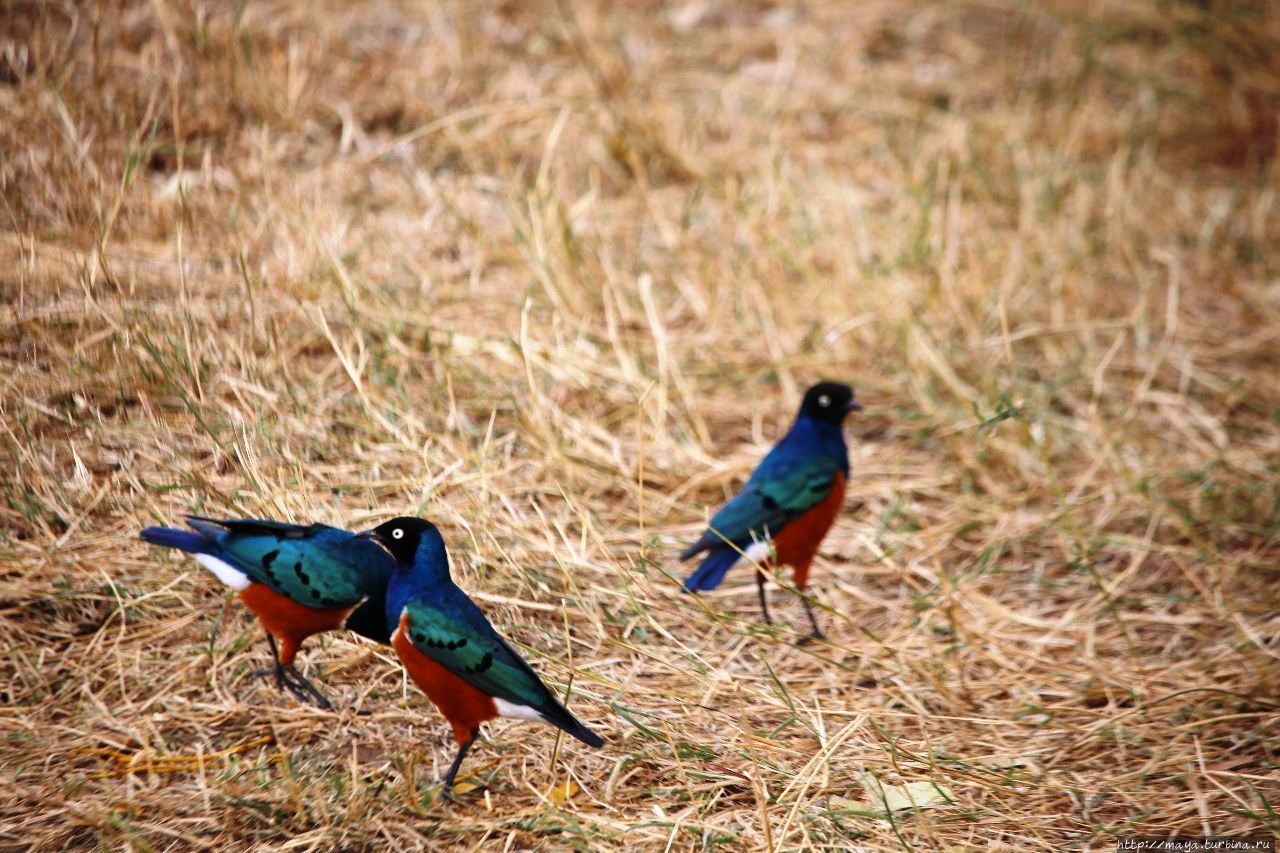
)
(790, 502)
(466, 668)
(298, 580)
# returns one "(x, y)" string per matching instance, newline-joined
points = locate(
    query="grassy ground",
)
(554, 275)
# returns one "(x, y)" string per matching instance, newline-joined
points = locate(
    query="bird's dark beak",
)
(854, 406)
(372, 536)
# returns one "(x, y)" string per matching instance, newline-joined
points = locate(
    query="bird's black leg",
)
(817, 632)
(277, 670)
(764, 603)
(457, 762)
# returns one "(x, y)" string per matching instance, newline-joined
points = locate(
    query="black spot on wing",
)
(302, 576)
(438, 643)
(315, 593)
(269, 558)
(481, 665)
(769, 502)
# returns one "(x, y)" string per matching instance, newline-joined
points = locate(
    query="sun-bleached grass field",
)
(555, 276)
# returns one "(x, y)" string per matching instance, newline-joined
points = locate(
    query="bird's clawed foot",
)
(302, 688)
(817, 632)
(446, 793)
(276, 672)
(289, 678)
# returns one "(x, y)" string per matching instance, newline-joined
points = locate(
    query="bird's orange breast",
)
(464, 706)
(288, 620)
(796, 544)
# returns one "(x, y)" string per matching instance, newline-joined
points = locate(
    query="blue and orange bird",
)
(298, 580)
(790, 502)
(466, 668)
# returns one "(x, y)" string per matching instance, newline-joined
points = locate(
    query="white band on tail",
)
(225, 572)
(519, 712)
(757, 552)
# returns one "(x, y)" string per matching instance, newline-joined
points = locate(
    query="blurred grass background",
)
(555, 274)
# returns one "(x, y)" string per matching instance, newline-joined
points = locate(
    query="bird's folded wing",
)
(329, 568)
(254, 527)
(464, 643)
(775, 494)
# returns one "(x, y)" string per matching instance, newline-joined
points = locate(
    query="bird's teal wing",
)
(316, 565)
(784, 487)
(456, 635)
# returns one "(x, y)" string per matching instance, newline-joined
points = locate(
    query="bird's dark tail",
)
(581, 732)
(562, 718)
(183, 540)
(712, 571)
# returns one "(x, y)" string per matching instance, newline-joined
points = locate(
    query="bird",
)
(298, 580)
(449, 649)
(788, 504)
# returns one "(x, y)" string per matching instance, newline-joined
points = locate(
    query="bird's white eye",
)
(398, 533)
(824, 401)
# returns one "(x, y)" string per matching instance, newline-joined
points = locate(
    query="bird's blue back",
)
(793, 477)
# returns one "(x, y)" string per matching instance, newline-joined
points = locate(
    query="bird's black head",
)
(830, 402)
(402, 536)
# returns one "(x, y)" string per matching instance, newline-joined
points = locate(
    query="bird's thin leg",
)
(277, 670)
(817, 632)
(764, 603)
(457, 762)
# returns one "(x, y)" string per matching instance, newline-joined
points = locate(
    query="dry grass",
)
(553, 275)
